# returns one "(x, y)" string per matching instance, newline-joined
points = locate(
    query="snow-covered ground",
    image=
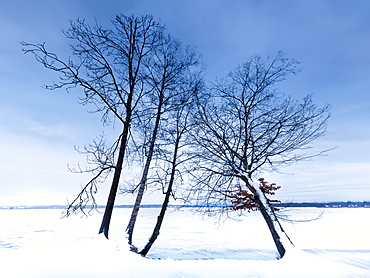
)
(37, 243)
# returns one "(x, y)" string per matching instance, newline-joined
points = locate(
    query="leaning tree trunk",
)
(104, 228)
(144, 177)
(160, 217)
(158, 225)
(139, 197)
(268, 216)
(270, 223)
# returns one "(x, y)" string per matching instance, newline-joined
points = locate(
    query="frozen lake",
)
(339, 235)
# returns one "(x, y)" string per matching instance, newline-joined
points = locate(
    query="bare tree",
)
(248, 126)
(174, 143)
(108, 65)
(169, 74)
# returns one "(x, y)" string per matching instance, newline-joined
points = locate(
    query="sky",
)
(331, 39)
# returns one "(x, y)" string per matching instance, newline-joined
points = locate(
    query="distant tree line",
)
(365, 204)
(205, 143)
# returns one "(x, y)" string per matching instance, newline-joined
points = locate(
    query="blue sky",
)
(331, 39)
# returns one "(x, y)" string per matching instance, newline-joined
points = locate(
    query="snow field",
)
(37, 243)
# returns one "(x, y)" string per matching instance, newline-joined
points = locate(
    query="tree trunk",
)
(139, 197)
(160, 217)
(158, 224)
(144, 177)
(267, 216)
(104, 228)
(270, 223)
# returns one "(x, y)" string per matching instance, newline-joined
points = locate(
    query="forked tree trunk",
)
(162, 213)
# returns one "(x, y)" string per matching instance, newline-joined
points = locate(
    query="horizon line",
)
(332, 204)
